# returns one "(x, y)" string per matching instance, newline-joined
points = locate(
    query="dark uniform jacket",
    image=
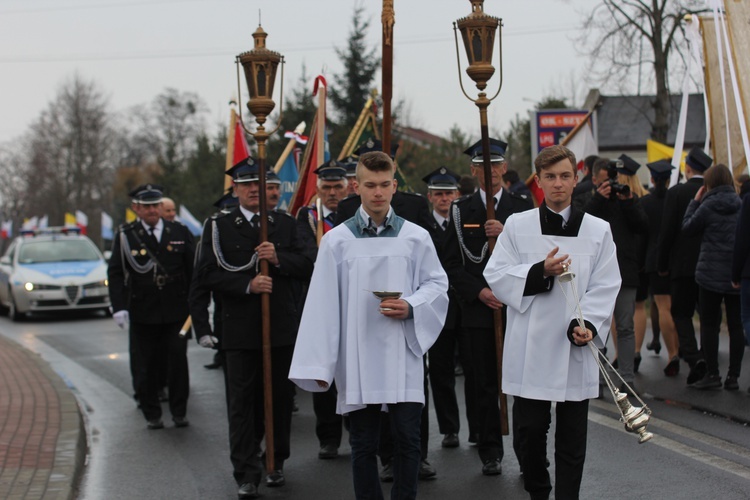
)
(200, 298)
(627, 220)
(242, 310)
(654, 208)
(466, 276)
(452, 319)
(160, 295)
(409, 206)
(741, 256)
(678, 252)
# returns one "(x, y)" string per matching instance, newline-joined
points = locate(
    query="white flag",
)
(190, 221)
(44, 222)
(583, 144)
(107, 230)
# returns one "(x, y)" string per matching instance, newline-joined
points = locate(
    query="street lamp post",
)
(478, 32)
(260, 65)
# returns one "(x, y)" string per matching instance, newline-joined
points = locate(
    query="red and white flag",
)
(583, 144)
(6, 229)
(82, 221)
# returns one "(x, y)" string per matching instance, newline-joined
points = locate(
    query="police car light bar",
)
(50, 231)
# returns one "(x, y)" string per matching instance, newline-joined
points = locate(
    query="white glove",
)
(122, 318)
(208, 341)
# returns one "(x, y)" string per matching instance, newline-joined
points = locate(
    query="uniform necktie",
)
(445, 224)
(254, 222)
(151, 233)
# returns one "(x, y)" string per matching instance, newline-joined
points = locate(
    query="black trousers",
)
(443, 381)
(386, 443)
(244, 376)
(710, 310)
(684, 304)
(154, 348)
(484, 364)
(328, 424)
(532, 420)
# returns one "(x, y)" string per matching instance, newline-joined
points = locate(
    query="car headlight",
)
(97, 284)
(30, 287)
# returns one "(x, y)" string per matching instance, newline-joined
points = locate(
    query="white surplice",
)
(539, 362)
(343, 336)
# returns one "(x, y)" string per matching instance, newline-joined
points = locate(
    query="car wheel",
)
(13, 312)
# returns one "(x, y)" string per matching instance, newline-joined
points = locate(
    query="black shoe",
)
(163, 396)
(275, 479)
(730, 383)
(492, 467)
(328, 451)
(247, 490)
(154, 423)
(636, 362)
(180, 421)
(426, 471)
(673, 367)
(708, 382)
(697, 372)
(654, 345)
(386, 475)
(473, 438)
(450, 440)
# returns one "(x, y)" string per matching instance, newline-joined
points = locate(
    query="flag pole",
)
(289, 147)
(388, 19)
(229, 162)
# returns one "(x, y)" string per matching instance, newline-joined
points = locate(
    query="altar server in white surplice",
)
(545, 358)
(372, 349)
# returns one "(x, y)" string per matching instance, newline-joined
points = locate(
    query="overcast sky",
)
(134, 49)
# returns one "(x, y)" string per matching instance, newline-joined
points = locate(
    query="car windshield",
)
(62, 250)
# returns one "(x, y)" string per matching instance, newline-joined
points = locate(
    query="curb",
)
(62, 480)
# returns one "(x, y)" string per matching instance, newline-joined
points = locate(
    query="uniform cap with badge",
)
(350, 164)
(627, 166)
(372, 144)
(661, 169)
(332, 171)
(498, 149)
(442, 179)
(227, 202)
(147, 194)
(247, 171)
(698, 160)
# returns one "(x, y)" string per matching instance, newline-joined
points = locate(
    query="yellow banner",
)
(70, 220)
(130, 215)
(656, 151)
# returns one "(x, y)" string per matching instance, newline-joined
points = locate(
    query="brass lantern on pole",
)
(478, 33)
(260, 65)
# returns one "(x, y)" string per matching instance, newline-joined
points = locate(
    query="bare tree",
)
(622, 37)
(68, 161)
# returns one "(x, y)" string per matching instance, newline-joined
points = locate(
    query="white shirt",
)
(158, 228)
(497, 196)
(248, 214)
(440, 219)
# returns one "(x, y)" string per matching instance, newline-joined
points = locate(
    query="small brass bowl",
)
(387, 295)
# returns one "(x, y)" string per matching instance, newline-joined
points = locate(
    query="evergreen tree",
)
(203, 181)
(350, 89)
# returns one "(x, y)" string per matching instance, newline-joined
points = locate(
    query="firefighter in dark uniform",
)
(149, 278)
(414, 208)
(442, 189)
(465, 255)
(332, 187)
(228, 265)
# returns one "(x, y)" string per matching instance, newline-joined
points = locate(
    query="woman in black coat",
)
(713, 214)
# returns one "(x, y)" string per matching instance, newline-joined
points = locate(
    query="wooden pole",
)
(319, 232)
(265, 302)
(388, 19)
(482, 103)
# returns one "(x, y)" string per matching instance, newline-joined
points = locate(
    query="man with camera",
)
(614, 202)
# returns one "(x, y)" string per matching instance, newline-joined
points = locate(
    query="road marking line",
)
(680, 448)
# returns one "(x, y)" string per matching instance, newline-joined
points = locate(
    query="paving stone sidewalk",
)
(42, 439)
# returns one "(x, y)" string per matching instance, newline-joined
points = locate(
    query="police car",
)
(53, 269)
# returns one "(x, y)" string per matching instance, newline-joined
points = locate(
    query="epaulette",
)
(282, 212)
(409, 193)
(463, 198)
(519, 196)
(127, 226)
(219, 215)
